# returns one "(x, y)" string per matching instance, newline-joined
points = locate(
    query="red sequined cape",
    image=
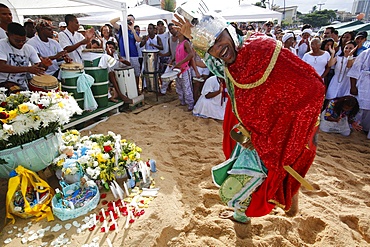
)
(281, 114)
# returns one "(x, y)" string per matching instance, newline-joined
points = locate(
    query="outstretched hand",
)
(183, 26)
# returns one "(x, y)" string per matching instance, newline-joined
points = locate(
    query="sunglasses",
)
(250, 29)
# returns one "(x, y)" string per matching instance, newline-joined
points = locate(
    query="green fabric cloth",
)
(84, 83)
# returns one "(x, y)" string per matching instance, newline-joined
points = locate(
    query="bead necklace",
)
(340, 71)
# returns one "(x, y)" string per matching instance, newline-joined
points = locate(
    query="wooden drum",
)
(44, 83)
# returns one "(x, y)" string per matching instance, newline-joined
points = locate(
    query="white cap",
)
(81, 29)
(62, 24)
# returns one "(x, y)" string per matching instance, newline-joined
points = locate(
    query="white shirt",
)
(3, 34)
(361, 71)
(17, 57)
(164, 38)
(66, 38)
(109, 39)
(212, 107)
(46, 49)
(317, 62)
(151, 41)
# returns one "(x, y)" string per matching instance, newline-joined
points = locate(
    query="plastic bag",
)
(28, 196)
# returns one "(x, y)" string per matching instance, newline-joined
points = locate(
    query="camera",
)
(129, 23)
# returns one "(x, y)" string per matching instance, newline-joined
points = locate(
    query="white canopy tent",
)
(249, 13)
(142, 13)
(49, 7)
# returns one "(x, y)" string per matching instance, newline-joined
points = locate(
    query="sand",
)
(185, 213)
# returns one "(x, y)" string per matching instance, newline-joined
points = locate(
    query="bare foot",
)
(242, 229)
(294, 208)
(113, 100)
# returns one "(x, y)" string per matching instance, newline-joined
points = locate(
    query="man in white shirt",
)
(164, 36)
(46, 47)
(72, 41)
(15, 58)
(5, 18)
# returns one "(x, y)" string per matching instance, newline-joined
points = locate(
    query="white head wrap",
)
(309, 31)
(287, 36)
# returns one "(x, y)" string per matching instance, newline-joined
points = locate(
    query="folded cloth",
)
(84, 83)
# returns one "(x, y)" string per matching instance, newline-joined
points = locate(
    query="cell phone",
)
(97, 33)
(129, 23)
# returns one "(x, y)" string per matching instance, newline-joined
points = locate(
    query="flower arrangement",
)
(28, 116)
(102, 157)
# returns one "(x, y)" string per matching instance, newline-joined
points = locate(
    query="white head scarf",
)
(287, 36)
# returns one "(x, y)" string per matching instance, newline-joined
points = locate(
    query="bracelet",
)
(350, 57)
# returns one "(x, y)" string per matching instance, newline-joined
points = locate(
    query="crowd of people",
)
(37, 48)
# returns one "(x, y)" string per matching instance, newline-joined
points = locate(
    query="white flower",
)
(106, 156)
(8, 128)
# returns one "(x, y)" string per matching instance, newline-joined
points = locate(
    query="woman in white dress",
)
(211, 103)
(318, 58)
(340, 84)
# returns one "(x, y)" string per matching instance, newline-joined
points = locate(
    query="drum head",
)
(97, 50)
(72, 66)
(44, 81)
(169, 76)
(150, 51)
(123, 68)
(198, 79)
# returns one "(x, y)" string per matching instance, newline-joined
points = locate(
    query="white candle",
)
(94, 219)
(109, 243)
(105, 225)
(103, 212)
(128, 218)
(126, 189)
(112, 217)
(119, 190)
(114, 192)
(143, 171)
(114, 206)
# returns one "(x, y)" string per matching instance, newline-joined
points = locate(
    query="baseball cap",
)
(361, 34)
(81, 29)
(28, 20)
(269, 23)
(44, 23)
(62, 24)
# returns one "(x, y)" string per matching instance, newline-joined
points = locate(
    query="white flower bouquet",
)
(28, 116)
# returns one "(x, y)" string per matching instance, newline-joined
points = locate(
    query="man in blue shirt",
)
(360, 39)
(133, 37)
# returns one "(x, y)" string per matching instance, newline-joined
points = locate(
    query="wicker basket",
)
(34, 156)
(65, 213)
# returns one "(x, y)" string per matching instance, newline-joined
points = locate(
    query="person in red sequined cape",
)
(280, 111)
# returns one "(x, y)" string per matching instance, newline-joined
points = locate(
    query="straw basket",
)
(35, 155)
(64, 213)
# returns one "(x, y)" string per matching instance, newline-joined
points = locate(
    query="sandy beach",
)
(185, 212)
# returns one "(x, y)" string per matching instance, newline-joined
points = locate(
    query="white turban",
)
(309, 31)
(287, 36)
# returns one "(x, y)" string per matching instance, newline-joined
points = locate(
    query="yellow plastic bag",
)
(28, 196)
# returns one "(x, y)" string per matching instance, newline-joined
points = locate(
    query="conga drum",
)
(169, 76)
(44, 83)
(70, 73)
(91, 58)
(126, 81)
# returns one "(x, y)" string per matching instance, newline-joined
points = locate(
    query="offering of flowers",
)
(102, 157)
(28, 116)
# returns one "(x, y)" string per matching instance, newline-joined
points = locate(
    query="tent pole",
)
(125, 29)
